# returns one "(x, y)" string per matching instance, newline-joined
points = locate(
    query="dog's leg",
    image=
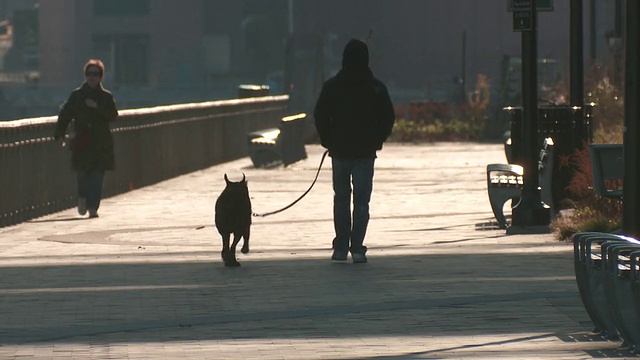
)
(231, 255)
(245, 244)
(225, 246)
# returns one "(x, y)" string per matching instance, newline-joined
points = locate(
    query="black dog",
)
(233, 216)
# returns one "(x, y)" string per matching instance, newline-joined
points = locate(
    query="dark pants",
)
(90, 187)
(351, 228)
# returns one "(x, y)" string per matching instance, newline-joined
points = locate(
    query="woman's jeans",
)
(90, 187)
(351, 229)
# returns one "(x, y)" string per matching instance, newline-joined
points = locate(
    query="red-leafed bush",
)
(590, 212)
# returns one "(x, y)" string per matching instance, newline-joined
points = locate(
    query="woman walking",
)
(92, 108)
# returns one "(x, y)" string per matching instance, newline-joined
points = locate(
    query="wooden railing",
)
(151, 145)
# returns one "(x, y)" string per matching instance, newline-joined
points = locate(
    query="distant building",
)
(416, 45)
(19, 35)
(158, 43)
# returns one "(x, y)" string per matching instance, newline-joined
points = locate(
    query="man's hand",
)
(91, 103)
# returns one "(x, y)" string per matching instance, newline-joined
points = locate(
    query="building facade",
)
(431, 45)
(420, 48)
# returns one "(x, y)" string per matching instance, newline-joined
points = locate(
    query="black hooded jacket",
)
(354, 114)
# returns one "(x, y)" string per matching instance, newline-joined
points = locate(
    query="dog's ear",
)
(226, 179)
(244, 178)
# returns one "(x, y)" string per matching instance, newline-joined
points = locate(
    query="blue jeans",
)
(90, 187)
(351, 228)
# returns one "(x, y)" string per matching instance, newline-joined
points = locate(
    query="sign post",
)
(631, 194)
(530, 211)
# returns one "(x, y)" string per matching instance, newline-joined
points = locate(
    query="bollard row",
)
(607, 269)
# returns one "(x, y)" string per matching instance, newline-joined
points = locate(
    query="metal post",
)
(631, 193)
(463, 69)
(576, 58)
(576, 93)
(288, 61)
(288, 53)
(617, 45)
(530, 211)
(290, 22)
(592, 31)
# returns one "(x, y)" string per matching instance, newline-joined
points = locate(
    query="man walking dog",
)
(354, 116)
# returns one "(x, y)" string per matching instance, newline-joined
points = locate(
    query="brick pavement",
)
(145, 281)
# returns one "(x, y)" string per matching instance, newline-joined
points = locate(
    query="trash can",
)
(570, 129)
(249, 90)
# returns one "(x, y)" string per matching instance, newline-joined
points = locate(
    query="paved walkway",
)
(145, 280)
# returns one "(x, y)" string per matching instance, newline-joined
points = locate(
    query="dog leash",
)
(303, 195)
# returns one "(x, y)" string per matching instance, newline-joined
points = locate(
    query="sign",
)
(541, 5)
(522, 15)
(522, 21)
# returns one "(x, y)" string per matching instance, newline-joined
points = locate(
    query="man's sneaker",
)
(359, 258)
(82, 206)
(339, 256)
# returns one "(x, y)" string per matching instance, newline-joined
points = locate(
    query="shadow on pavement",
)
(391, 295)
(58, 219)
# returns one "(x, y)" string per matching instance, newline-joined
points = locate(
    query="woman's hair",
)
(95, 62)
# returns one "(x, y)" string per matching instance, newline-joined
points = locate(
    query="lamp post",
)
(530, 211)
(631, 193)
(576, 96)
(288, 49)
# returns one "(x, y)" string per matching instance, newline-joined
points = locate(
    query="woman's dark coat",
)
(92, 148)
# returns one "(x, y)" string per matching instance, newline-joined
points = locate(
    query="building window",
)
(121, 7)
(126, 57)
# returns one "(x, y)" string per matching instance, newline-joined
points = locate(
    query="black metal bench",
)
(607, 163)
(282, 145)
(505, 182)
(607, 268)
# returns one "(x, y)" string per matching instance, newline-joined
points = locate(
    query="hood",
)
(355, 55)
(355, 63)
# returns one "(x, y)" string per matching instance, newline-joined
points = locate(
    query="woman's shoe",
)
(82, 206)
(359, 258)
